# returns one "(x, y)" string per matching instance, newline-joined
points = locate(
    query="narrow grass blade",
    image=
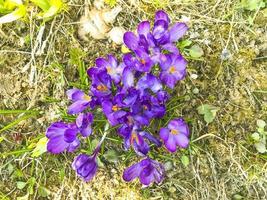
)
(14, 123)
(10, 112)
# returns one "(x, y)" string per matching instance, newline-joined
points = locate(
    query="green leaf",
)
(252, 5)
(261, 147)
(111, 3)
(40, 147)
(111, 156)
(196, 51)
(184, 43)
(100, 163)
(31, 183)
(208, 111)
(21, 185)
(43, 192)
(185, 160)
(62, 174)
(261, 123)
(43, 4)
(13, 16)
(255, 136)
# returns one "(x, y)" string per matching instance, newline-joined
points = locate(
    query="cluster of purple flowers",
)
(130, 93)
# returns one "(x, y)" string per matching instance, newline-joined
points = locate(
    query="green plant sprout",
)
(13, 10)
(16, 9)
(208, 111)
(259, 137)
(49, 7)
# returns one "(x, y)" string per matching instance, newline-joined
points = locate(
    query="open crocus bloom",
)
(176, 134)
(111, 65)
(147, 170)
(80, 100)
(135, 137)
(173, 69)
(61, 137)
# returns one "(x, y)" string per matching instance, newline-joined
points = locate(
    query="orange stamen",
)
(102, 88)
(87, 98)
(134, 137)
(172, 69)
(109, 70)
(143, 61)
(174, 132)
(115, 108)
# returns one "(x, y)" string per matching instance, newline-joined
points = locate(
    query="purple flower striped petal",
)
(177, 31)
(130, 40)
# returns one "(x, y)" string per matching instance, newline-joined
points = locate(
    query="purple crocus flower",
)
(176, 134)
(86, 166)
(101, 83)
(147, 170)
(161, 31)
(173, 69)
(111, 65)
(83, 122)
(144, 110)
(135, 137)
(113, 109)
(149, 81)
(127, 78)
(80, 100)
(62, 137)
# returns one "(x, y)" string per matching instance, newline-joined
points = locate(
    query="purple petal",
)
(101, 63)
(92, 173)
(160, 28)
(161, 15)
(79, 161)
(143, 28)
(107, 107)
(151, 138)
(181, 140)
(86, 131)
(78, 107)
(57, 144)
(180, 125)
(165, 61)
(70, 135)
(127, 78)
(140, 146)
(75, 94)
(85, 166)
(171, 48)
(171, 143)
(168, 79)
(164, 134)
(132, 172)
(177, 31)
(56, 129)
(74, 145)
(130, 40)
(147, 176)
(112, 60)
(142, 120)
